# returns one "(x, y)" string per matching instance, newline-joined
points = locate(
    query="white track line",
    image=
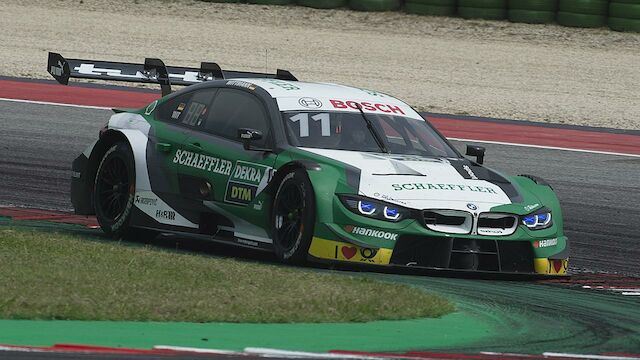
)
(195, 350)
(56, 104)
(594, 357)
(546, 147)
(450, 138)
(305, 355)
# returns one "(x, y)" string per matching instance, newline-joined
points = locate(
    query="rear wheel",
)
(114, 190)
(293, 217)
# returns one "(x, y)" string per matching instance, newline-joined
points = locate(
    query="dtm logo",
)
(310, 103)
(472, 206)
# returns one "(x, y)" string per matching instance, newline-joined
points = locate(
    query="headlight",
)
(374, 209)
(541, 219)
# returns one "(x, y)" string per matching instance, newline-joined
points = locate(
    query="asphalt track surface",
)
(600, 194)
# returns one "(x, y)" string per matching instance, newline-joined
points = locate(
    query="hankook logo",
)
(310, 103)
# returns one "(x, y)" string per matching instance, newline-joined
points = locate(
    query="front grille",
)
(464, 254)
(448, 221)
(497, 224)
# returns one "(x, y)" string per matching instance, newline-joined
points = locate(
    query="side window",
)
(234, 109)
(190, 109)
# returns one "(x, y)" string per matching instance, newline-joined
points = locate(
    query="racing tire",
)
(482, 13)
(588, 7)
(533, 5)
(374, 5)
(428, 10)
(581, 20)
(483, 4)
(531, 17)
(293, 217)
(621, 24)
(444, 3)
(322, 4)
(114, 190)
(624, 11)
(270, 2)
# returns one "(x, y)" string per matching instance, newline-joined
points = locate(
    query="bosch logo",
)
(310, 103)
(472, 206)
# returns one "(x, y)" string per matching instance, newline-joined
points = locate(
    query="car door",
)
(235, 176)
(178, 118)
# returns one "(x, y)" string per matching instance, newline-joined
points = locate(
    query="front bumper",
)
(356, 239)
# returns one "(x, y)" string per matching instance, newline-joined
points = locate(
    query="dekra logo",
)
(247, 174)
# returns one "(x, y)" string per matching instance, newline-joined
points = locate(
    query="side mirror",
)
(477, 151)
(247, 136)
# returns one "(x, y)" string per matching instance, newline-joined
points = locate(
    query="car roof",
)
(305, 96)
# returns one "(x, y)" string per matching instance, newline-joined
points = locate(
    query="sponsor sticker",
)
(246, 181)
(334, 250)
(380, 234)
(203, 162)
(149, 109)
(310, 103)
(373, 93)
(282, 84)
(448, 187)
(469, 171)
(367, 106)
(140, 200)
(240, 193)
(551, 266)
(242, 84)
(545, 243)
(531, 207)
(166, 214)
(247, 242)
(57, 70)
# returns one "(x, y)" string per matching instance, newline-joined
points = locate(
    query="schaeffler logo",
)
(310, 103)
(356, 230)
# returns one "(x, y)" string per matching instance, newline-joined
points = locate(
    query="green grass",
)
(48, 275)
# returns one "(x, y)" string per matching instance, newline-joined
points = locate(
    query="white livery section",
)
(136, 129)
(297, 95)
(418, 182)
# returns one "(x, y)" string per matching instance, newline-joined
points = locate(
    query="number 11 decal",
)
(303, 118)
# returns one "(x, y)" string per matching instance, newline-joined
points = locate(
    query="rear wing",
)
(153, 71)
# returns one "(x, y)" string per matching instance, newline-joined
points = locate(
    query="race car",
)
(309, 171)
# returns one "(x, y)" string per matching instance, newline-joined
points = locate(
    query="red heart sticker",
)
(349, 251)
(557, 265)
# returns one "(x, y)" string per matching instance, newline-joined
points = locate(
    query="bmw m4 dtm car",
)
(310, 171)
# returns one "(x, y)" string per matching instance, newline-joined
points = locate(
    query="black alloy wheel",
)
(114, 190)
(293, 217)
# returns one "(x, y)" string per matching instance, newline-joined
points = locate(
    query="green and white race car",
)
(310, 171)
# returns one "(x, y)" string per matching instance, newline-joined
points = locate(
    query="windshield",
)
(348, 131)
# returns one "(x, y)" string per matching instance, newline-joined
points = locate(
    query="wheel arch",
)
(84, 202)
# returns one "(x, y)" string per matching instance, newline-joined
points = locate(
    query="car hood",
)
(426, 183)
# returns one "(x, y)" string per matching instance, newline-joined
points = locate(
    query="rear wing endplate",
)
(153, 71)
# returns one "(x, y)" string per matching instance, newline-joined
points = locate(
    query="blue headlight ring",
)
(391, 217)
(371, 207)
(537, 220)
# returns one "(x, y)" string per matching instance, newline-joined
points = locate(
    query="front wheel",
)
(114, 190)
(293, 217)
